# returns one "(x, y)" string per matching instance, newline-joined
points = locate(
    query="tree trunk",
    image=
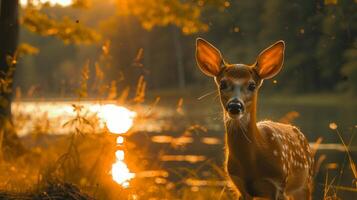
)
(9, 28)
(179, 58)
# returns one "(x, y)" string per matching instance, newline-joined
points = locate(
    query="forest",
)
(320, 37)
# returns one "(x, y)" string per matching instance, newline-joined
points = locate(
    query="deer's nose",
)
(235, 107)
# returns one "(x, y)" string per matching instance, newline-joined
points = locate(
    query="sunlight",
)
(63, 3)
(119, 155)
(120, 140)
(118, 119)
(121, 173)
(115, 118)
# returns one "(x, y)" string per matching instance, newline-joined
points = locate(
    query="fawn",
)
(265, 159)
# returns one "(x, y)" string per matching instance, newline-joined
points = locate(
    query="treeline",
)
(321, 53)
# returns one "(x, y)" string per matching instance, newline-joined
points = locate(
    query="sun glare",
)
(63, 3)
(120, 140)
(117, 119)
(121, 173)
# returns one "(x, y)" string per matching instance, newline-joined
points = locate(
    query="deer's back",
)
(292, 151)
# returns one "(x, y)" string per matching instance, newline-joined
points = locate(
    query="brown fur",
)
(265, 159)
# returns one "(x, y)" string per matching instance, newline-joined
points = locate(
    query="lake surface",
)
(184, 142)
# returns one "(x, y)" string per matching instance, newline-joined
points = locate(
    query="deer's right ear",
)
(208, 57)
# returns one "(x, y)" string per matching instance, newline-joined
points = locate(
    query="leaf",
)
(27, 49)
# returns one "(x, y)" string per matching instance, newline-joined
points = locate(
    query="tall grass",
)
(332, 185)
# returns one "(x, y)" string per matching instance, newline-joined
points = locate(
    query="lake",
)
(181, 141)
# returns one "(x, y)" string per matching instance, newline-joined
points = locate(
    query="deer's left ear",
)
(270, 61)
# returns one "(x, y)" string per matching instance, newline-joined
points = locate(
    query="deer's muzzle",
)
(235, 107)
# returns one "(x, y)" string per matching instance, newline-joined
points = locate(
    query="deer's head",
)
(238, 84)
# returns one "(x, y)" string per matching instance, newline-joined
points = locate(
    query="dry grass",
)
(332, 185)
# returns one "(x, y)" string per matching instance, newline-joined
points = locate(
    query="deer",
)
(265, 159)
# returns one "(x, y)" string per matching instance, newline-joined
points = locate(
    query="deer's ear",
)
(208, 57)
(270, 60)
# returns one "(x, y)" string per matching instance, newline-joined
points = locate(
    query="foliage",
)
(6, 77)
(81, 3)
(183, 14)
(27, 49)
(316, 34)
(66, 29)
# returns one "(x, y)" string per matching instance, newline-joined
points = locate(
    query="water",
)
(314, 122)
(185, 145)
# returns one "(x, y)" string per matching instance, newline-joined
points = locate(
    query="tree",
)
(183, 14)
(331, 40)
(290, 22)
(174, 14)
(338, 26)
(33, 19)
(9, 28)
(349, 68)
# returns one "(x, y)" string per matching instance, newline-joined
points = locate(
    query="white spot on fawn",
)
(275, 152)
(284, 168)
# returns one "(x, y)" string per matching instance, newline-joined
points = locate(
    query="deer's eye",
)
(223, 85)
(251, 86)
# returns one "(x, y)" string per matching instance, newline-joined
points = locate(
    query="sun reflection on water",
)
(118, 120)
(121, 173)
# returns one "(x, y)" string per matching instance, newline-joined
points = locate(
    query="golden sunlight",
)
(117, 119)
(120, 140)
(63, 3)
(120, 171)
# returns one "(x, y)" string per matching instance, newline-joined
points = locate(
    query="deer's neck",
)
(242, 135)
